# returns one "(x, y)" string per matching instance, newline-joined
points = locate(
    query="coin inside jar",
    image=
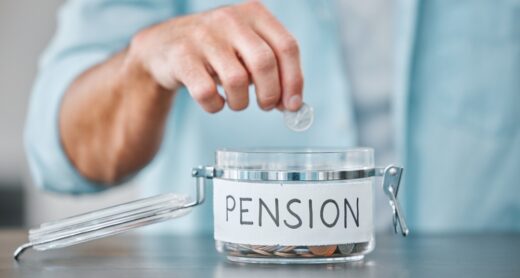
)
(346, 249)
(299, 120)
(323, 250)
(361, 246)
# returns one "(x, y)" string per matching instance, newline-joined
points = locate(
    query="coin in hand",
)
(299, 120)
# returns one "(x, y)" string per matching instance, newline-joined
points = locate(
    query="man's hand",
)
(112, 117)
(233, 46)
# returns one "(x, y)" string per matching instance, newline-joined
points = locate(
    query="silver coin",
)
(346, 249)
(285, 249)
(299, 120)
(243, 247)
(362, 246)
(300, 250)
(230, 247)
(283, 254)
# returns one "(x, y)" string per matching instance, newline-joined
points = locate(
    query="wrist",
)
(146, 57)
(134, 74)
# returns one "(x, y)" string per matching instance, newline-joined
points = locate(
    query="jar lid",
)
(107, 222)
(295, 159)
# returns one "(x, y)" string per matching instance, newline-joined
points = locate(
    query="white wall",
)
(26, 26)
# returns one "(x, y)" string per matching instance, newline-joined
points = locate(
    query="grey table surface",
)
(137, 255)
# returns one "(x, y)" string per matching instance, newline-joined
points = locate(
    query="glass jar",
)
(269, 206)
(294, 205)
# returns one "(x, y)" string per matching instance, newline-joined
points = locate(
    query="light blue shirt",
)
(457, 105)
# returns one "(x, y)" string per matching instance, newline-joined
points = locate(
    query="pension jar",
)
(295, 205)
(269, 206)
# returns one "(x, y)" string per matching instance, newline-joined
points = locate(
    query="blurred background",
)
(26, 27)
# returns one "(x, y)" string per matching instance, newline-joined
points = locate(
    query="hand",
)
(233, 46)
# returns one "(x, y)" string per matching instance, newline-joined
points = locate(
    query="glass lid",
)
(106, 222)
(116, 219)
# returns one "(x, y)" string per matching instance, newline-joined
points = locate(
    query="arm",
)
(111, 127)
(88, 33)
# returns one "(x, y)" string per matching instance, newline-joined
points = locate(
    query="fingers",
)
(287, 52)
(231, 73)
(233, 45)
(261, 63)
(201, 85)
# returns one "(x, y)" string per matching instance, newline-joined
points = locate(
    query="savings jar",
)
(269, 206)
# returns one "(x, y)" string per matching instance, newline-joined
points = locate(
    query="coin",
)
(235, 254)
(286, 248)
(323, 250)
(362, 246)
(346, 249)
(299, 120)
(261, 252)
(307, 255)
(232, 248)
(269, 248)
(301, 250)
(243, 247)
(283, 254)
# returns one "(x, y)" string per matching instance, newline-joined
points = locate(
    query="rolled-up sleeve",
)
(88, 32)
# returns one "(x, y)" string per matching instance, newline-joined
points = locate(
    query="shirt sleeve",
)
(88, 32)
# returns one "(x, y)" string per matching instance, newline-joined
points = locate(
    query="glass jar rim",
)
(295, 150)
(290, 159)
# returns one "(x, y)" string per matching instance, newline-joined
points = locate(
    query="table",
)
(138, 255)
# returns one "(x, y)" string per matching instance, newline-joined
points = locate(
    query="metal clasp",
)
(202, 174)
(391, 181)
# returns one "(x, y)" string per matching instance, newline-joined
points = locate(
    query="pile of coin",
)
(241, 250)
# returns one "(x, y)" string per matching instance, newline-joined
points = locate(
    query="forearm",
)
(112, 119)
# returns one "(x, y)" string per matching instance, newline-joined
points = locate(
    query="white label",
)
(293, 213)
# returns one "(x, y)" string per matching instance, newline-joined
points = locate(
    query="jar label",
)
(293, 213)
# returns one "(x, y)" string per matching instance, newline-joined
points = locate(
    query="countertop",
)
(139, 255)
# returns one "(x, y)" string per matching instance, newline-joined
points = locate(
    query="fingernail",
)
(294, 102)
(269, 108)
